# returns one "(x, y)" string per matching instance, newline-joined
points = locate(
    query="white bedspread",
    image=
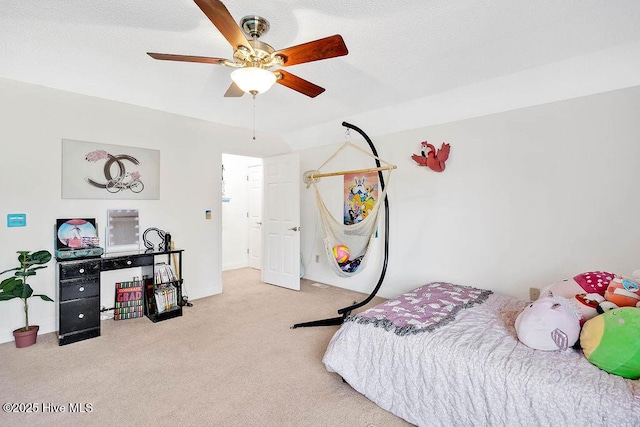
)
(475, 372)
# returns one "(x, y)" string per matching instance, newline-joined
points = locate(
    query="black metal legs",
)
(324, 322)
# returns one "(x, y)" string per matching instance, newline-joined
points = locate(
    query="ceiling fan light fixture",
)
(253, 80)
(253, 58)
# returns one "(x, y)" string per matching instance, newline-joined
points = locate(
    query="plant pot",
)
(25, 339)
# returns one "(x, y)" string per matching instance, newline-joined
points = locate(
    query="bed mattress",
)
(464, 366)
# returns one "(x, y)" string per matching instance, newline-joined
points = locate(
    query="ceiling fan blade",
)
(186, 58)
(296, 83)
(219, 15)
(328, 47)
(234, 91)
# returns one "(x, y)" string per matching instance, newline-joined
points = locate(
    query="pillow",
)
(611, 341)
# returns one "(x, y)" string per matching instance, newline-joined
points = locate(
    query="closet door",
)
(281, 221)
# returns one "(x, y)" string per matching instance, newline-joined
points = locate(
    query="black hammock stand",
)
(346, 311)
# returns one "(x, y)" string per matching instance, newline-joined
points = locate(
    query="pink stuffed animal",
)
(585, 291)
(594, 282)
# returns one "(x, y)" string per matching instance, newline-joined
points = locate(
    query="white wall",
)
(35, 119)
(235, 222)
(529, 197)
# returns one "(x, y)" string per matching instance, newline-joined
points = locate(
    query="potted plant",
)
(16, 286)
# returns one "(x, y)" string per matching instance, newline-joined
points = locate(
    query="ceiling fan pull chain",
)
(254, 117)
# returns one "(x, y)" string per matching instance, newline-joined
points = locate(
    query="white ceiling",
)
(424, 61)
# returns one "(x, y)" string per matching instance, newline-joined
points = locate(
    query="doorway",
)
(241, 212)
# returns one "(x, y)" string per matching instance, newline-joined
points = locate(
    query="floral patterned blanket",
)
(423, 309)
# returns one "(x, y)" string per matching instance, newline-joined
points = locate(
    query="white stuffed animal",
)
(550, 323)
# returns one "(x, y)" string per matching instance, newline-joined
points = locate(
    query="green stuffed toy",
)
(611, 341)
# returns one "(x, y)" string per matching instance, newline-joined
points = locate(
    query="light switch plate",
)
(534, 294)
(16, 220)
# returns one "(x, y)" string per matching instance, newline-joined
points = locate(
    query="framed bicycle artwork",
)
(93, 170)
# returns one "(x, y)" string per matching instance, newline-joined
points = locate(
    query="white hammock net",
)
(357, 237)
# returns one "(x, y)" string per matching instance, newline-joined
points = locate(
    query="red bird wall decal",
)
(432, 158)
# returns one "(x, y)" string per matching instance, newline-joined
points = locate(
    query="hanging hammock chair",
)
(357, 237)
(311, 177)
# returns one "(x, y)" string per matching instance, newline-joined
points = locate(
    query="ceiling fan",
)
(253, 58)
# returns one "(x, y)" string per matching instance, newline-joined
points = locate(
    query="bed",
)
(446, 354)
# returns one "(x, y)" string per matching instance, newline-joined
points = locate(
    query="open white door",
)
(281, 221)
(255, 216)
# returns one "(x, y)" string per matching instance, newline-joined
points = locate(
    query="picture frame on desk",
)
(76, 238)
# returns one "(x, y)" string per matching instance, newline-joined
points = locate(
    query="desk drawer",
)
(78, 269)
(79, 314)
(79, 288)
(126, 262)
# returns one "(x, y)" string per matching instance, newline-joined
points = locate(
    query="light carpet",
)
(230, 360)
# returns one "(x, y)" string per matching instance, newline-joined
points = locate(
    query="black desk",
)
(78, 290)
